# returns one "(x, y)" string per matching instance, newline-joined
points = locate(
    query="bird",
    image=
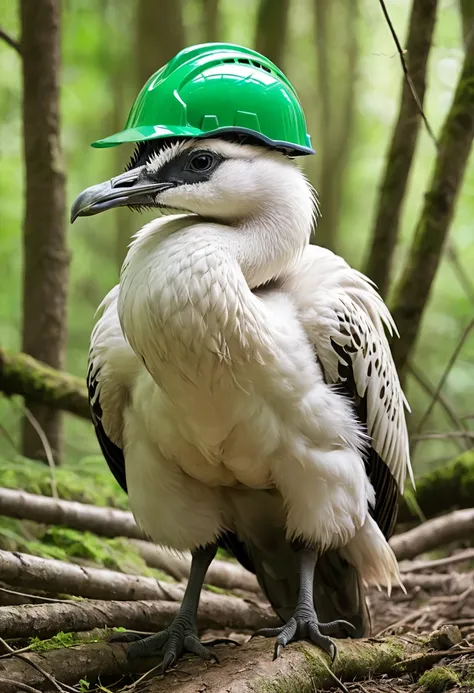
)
(240, 377)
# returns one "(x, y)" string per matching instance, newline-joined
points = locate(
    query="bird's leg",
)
(304, 624)
(181, 636)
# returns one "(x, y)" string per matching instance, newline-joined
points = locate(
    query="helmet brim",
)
(157, 132)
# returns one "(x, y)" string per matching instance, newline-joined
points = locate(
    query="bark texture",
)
(49, 575)
(402, 147)
(159, 35)
(247, 669)
(45, 620)
(21, 374)
(413, 290)
(46, 258)
(272, 30)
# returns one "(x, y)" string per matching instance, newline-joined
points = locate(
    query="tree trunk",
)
(159, 35)
(467, 18)
(210, 20)
(413, 290)
(46, 259)
(272, 30)
(337, 77)
(402, 147)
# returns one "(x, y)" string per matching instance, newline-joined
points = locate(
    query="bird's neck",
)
(186, 296)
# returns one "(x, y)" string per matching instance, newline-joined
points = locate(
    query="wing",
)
(112, 367)
(346, 319)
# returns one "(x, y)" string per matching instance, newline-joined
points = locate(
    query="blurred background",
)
(341, 57)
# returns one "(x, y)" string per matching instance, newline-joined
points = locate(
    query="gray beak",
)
(131, 189)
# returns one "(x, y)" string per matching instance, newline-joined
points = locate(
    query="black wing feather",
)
(112, 453)
(387, 494)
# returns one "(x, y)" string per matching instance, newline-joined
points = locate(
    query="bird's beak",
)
(131, 189)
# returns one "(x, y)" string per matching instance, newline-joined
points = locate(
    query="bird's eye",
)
(201, 163)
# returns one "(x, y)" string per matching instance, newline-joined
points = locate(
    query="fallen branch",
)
(223, 574)
(21, 374)
(434, 534)
(302, 667)
(49, 575)
(451, 584)
(13, 43)
(45, 620)
(432, 566)
(109, 522)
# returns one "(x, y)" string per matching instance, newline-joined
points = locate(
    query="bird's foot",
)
(180, 637)
(304, 625)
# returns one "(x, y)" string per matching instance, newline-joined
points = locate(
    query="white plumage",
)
(219, 361)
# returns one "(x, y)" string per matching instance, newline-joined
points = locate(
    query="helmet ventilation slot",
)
(246, 61)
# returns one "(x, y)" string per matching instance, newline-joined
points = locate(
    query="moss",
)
(219, 590)
(70, 639)
(438, 679)
(90, 481)
(446, 488)
(66, 544)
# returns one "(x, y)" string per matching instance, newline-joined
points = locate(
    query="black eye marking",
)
(201, 162)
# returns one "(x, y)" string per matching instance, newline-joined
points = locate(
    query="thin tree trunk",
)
(46, 259)
(337, 109)
(211, 23)
(467, 18)
(413, 290)
(159, 35)
(272, 30)
(402, 147)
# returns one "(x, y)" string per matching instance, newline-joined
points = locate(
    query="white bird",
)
(243, 389)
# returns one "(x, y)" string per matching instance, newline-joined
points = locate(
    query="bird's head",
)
(217, 179)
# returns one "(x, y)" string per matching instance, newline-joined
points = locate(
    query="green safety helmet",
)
(216, 88)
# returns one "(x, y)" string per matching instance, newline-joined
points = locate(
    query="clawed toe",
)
(305, 628)
(172, 643)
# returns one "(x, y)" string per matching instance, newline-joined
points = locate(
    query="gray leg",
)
(181, 636)
(304, 624)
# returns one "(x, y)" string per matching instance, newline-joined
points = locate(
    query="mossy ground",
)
(438, 679)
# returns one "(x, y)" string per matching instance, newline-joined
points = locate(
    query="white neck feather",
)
(185, 285)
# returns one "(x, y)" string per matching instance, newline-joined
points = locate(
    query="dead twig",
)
(13, 43)
(407, 74)
(417, 567)
(444, 376)
(15, 686)
(46, 447)
(442, 400)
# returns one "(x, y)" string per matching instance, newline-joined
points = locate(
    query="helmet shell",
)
(215, 88)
